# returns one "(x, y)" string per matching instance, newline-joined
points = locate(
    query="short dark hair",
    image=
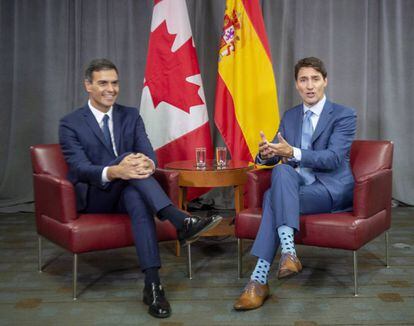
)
(312, 62)
(98, 65)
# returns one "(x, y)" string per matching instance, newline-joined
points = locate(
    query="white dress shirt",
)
(99, 118)
(317, 110)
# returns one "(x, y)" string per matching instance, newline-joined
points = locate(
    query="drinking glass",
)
(221, 157)
(200, 157)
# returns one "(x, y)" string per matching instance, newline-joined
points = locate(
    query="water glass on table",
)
(221, 157)
(201, 157)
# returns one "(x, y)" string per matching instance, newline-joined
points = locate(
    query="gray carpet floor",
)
(110, 283)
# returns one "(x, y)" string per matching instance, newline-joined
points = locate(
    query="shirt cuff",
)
(297, 154)
(104, 176)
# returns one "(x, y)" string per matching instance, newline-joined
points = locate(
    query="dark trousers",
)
(141, 200)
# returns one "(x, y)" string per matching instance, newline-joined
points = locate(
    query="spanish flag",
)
(246, 95)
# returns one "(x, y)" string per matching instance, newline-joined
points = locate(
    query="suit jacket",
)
(330, 149)
(86, 151)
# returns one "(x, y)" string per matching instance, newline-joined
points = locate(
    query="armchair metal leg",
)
(355, 273)
(39, 254)
(239, 258)
(190, 276)
(75, 275)
(387, 261)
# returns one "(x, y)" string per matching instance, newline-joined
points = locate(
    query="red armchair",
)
(58, 221)
(371, 163)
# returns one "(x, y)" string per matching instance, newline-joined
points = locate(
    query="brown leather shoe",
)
(253, 296)
(289, 264)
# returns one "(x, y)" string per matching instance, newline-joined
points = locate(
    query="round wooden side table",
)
(233, 174)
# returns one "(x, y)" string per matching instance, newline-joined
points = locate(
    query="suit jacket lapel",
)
(298, 132)
(93, 124)
(323, 120)
(117, 117)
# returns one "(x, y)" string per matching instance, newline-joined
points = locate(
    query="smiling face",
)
(311, 85)
(103, 89)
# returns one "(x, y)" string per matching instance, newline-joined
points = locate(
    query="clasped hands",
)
(132, 166)
(268, 150)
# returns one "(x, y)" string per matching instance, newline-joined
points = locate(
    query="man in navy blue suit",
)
(313, 144)
(111, 162)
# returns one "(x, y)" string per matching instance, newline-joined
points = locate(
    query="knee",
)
(281, 170)
(130, 194)
(142, 184)
(135, 205)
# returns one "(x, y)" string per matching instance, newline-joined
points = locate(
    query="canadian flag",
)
(173, 105)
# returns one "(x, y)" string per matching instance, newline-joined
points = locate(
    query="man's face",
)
(310, 85)
(103, 90)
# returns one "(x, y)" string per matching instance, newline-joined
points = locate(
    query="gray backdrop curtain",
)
(367, 45)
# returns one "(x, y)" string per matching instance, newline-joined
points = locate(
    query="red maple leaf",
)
(166, 71)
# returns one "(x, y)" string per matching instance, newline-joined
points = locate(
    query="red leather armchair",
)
(371, 163)
(58, 221)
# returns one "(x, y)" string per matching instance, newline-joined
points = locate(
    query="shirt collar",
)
(317, 108)
(99, 115)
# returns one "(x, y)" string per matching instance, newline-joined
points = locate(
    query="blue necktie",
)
(307, 132)
(106, 132)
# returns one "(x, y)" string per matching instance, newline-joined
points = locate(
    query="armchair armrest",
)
(54, 198)
(169, 182)
(372, 193)
(258, 181)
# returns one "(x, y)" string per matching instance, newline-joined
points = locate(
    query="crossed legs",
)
(283, 202)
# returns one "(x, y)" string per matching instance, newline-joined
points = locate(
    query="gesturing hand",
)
(268, 150)
(283, 148)
(265, 151)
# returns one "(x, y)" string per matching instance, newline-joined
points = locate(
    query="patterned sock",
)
(286, 239)
(261, 271)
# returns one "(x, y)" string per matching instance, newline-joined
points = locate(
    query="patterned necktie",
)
(307, 132)
(106, 132)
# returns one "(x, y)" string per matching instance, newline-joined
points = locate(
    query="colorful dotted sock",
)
(286, 239)
(261, 271)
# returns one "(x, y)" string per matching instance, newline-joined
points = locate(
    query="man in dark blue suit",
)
(313, 144)
(111, 162)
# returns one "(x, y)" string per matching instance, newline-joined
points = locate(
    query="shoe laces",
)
(250, 288)
(287, 257)
(190, 220)
(156, 290)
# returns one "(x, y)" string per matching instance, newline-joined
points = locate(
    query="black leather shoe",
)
(194, 226)
(154, 296)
